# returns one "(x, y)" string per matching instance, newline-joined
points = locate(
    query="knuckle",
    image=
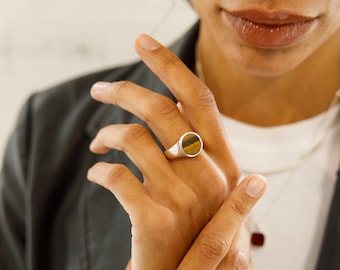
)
(204, 96)
(163, 106)
(133, 133)
(213, 247)
(107, 175)
(120, 85)
(189, 205)
(116, 172)
(169, 61)
(238, 260)
(239, 209)
(161, 221)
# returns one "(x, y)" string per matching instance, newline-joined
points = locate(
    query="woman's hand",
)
(178, 197)
(224, 243)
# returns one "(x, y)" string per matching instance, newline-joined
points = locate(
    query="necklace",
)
(326, 123)
(325, 127)
(257, 237)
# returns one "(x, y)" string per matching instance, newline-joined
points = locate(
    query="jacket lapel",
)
(329, 258)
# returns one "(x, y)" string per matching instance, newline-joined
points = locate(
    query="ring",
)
(189, 144)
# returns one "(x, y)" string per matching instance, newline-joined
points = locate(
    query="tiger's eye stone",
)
(191, 144)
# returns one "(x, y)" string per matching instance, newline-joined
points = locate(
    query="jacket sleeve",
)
(13, 185)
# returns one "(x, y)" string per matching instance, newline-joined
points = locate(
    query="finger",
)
(159, 112)
(134, 139)
(215, 240)
(239, 253)
(185, 86)
(117, 178)
(196, 100)
(166, 123)
(158, 174)
(128, 266)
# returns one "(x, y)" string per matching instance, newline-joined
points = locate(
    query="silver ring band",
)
(189, 144)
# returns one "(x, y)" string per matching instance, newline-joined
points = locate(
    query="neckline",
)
(274, 150)
(245, 132)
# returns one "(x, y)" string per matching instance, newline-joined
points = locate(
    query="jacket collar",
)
(329, 257)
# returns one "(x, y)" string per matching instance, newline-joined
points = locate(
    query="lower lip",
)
(267, 35)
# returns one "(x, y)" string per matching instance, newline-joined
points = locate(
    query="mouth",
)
(272, 30)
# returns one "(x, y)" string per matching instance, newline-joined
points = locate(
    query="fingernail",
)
(100, 87)
(256, 186)
(148, 43)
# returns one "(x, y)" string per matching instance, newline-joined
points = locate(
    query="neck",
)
(301, 93)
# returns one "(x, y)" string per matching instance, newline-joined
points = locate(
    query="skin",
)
(264, 81)
(200, 222)
(166, 222)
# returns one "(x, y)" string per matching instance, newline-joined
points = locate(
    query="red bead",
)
(257, 239)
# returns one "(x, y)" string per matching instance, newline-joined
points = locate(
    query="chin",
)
(267, 63)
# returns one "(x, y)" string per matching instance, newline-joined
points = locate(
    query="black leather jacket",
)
(51, 217)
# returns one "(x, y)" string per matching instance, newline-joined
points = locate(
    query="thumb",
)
(215, 240)
(128, 266)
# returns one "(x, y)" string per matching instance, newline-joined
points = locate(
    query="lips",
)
(269, 30)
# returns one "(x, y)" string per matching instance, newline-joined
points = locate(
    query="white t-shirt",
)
(293, 213)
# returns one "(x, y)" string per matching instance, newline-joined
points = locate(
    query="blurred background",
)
(45, 42)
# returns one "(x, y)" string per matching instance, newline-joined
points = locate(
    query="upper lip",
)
(260, 16)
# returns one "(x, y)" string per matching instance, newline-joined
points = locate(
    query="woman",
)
(267, 72)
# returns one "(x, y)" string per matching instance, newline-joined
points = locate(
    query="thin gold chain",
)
(327, 122)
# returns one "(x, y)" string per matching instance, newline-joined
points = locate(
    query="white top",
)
(292, 214)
